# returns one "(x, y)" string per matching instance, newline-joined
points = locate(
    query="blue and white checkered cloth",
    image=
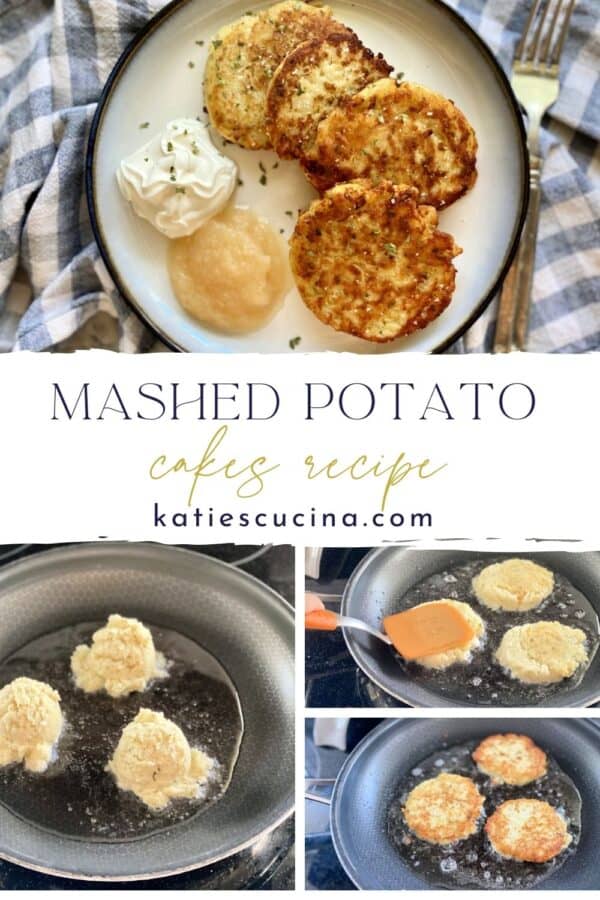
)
(54, 60)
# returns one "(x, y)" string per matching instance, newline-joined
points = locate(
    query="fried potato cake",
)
(368, 260)
(542, 652)
(513, 584)
(243, 58)
(510, 759)
(527, 830)
(403, 133)
(314, 78)
(444, 810)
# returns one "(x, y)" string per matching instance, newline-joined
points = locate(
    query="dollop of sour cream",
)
(178, 180)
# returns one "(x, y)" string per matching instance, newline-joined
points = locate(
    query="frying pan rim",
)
(442, 702)
(390, 724)
(111, 879)
(36, 560)
(32, 560)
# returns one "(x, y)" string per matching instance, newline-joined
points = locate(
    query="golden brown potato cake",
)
(242, 60)
(444, 809)
(527, 830)
(314, 78)
(404, 133)
(510, 759)
(369, 261)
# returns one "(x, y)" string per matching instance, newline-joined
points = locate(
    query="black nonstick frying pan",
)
(366, 785)
(245, 625)
(386, 574)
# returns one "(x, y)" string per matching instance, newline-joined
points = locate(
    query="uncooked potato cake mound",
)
(404, 133)
(313, 79)
(368, 260)
(242, 60)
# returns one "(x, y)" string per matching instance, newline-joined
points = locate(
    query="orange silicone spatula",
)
(420, 631)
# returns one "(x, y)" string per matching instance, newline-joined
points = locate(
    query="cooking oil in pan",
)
(473, 863)
(482, 680)
(76, 796)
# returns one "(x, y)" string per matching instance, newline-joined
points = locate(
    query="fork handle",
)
(505, 318)
(527, 254)
(515, 297)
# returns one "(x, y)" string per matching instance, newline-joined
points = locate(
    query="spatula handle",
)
(321, 620)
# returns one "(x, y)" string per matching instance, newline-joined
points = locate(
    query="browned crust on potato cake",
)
(242, 60)
(444, 809)
(369, 261)
(527, 830)
(404, 133)
(510, 758)
(312, 79)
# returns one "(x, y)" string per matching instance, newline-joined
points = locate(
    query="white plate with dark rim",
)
(154, 82)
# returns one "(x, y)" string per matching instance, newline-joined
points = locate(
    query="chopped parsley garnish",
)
(180, 190)
(144, 124)
(200, 43)
(191, 64)
(398, 78)
(263, 179)
(294, 342)
(261, 166)
(391, 250)
(216, 43)
(146, 159)
(276, 165)
(289, 213)
(169, 146)
(240, 182)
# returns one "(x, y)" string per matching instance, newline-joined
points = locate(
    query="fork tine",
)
(521, 45)
(535, 47)
(555, 59)
(545, 51)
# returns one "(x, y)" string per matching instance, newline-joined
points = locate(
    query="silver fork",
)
(535, 81)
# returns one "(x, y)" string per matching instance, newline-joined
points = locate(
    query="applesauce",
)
(232, 273)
